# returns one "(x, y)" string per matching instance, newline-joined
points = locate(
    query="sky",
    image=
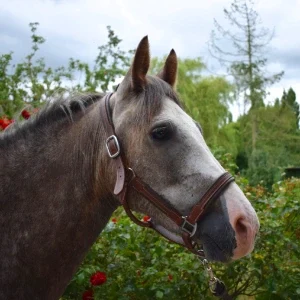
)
(75, 28)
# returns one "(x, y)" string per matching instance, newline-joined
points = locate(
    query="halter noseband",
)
(126, 178)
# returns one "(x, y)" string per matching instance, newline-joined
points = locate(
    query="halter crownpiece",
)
(126, 178)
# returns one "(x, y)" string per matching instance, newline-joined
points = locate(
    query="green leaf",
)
(159, 294)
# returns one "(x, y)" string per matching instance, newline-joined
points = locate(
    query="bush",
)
(140, 264)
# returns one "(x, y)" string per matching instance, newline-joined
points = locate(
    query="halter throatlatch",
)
(126, 179)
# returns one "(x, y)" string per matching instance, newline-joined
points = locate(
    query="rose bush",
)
(5, 121)
(98, 278)
(141, 264)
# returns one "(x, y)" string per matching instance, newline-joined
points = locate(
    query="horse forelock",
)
(149, 101)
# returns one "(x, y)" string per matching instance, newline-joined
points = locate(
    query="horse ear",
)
(140, 65)
(169, 72)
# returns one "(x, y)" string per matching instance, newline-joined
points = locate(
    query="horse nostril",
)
(241, 228)
(245, 236)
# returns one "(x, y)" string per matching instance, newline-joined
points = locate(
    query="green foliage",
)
(29, 82)
(278, 251)
(261, 168)
(226, 159)
(32, 82)
(141, 264)
(230, 140)
(277, 144)
(288, 101)
(6, 106)
(208, 103)
(109, 65)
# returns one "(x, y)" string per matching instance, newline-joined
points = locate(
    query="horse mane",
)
(56, 110)
(67, 108)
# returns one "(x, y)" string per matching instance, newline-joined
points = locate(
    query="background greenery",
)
(142, 265)
(261, 142)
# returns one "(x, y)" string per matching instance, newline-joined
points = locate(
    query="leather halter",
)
(126, 178)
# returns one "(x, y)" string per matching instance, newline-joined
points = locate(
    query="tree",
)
(242, 48)
(28, 82)
(110, 63)
(31, 82)
(288, 101)
(277, 144)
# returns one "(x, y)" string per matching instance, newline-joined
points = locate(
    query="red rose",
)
(170, 277)
(5, 122)
(88, 295)
(114, 220)
(146, 219)
(98, 278)
(25, 114)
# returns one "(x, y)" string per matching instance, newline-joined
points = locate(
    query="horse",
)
(62, 173)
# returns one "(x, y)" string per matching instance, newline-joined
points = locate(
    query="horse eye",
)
(161, 133)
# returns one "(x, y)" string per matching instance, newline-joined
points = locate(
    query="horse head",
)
(166, 148)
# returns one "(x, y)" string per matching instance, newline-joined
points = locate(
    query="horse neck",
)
(56, 203)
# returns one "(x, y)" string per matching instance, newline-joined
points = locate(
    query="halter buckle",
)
(188, 227)
(116, 144)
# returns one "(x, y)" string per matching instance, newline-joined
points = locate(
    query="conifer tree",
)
(242, 47)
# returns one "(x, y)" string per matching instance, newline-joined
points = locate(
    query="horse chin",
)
(212, 250)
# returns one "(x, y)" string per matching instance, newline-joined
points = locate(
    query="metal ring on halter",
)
(188, 227)
(200, 254)
(133, 174)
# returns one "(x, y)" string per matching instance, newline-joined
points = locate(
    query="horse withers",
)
(58, 184)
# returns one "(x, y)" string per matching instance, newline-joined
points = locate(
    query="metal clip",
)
(208, 270)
